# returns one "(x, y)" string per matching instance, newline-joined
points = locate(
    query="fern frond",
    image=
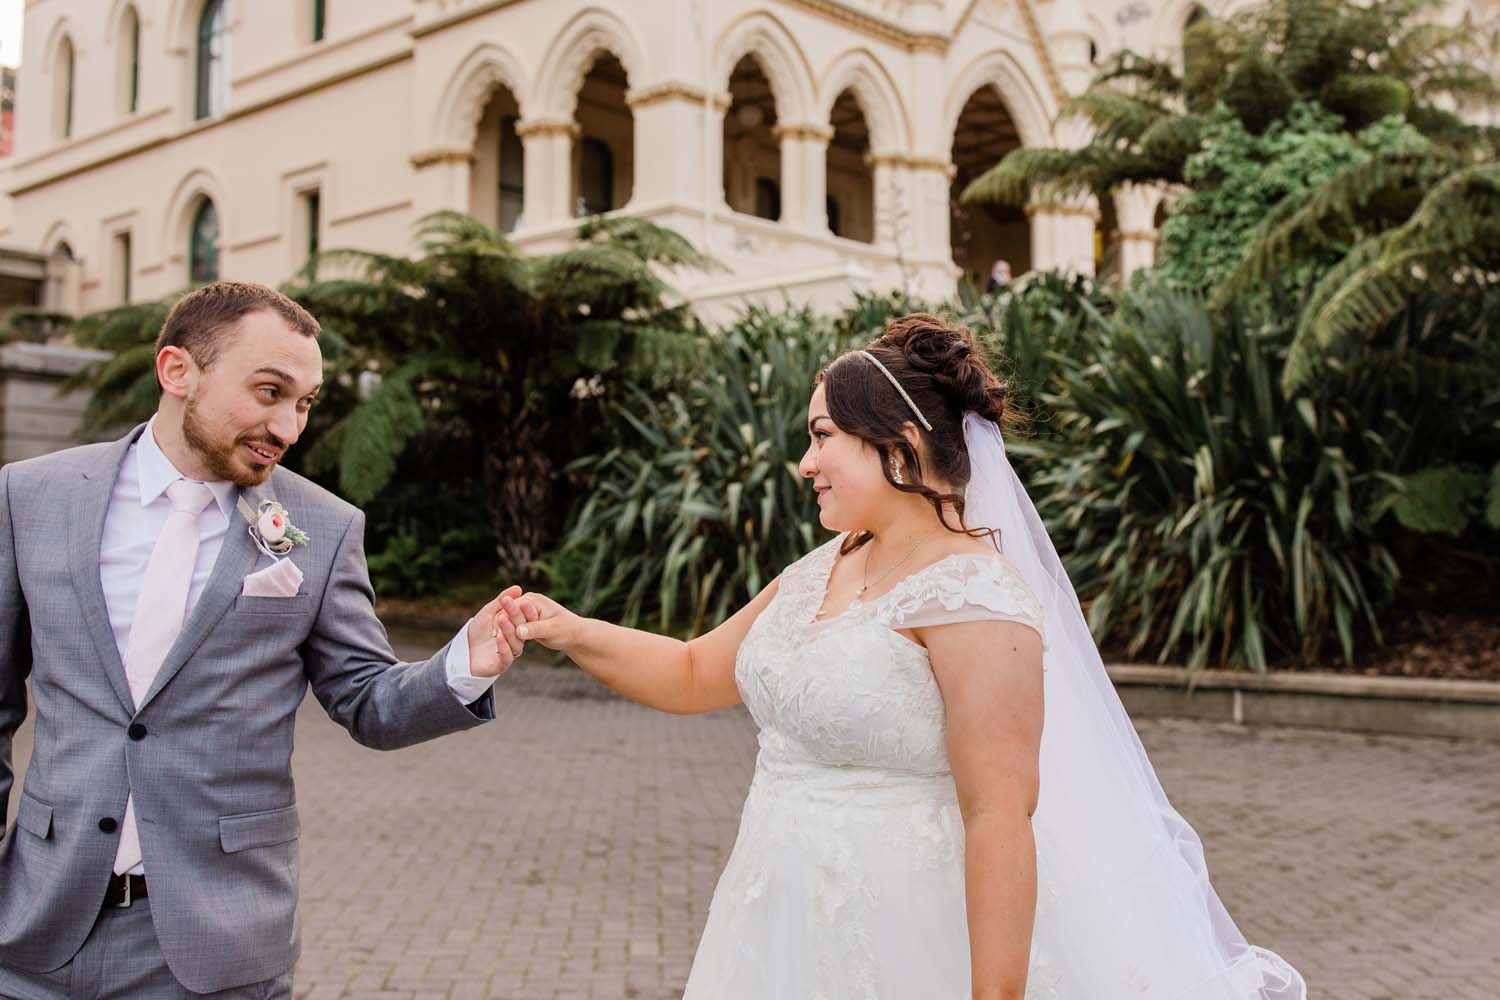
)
(1063, 171)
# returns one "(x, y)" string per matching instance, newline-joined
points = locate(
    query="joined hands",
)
(501, 629)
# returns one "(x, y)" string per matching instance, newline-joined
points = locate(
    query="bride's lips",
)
(822, 491)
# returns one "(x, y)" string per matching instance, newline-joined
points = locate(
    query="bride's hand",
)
(538, 617)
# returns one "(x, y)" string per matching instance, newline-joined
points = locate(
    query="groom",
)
(154, 851)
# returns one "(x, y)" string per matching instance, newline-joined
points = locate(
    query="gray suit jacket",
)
(211, 771)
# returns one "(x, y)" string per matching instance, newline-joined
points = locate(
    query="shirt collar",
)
(156, 472)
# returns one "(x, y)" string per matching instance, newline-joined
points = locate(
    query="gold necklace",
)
(868, 583)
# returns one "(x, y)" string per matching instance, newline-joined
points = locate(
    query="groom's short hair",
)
(201, 319)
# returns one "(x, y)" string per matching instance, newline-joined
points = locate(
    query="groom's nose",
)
(285, 425)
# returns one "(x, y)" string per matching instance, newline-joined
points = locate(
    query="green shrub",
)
(1201, 515)
(698, 505)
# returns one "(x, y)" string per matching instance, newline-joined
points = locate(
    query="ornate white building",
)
(812, 146)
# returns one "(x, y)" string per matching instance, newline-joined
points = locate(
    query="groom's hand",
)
(490, 652)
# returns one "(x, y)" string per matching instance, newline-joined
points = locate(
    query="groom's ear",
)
(175, 369)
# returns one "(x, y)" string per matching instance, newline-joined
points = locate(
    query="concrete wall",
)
(34, 418)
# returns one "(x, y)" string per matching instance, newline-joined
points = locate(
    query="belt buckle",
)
(125, 897)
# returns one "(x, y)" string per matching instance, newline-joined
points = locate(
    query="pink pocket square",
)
(280, 579)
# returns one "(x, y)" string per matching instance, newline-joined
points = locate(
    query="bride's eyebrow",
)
(812, 424)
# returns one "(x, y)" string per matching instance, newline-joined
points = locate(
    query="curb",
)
(1400, 706)
(1404, 706)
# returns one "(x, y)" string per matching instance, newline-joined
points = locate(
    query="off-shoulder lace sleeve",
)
(966, 588)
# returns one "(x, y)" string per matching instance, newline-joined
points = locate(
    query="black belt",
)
(124, 890)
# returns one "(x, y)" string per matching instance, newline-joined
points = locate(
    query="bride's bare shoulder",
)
(969, 545)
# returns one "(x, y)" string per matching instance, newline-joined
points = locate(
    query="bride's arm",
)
(655, 670)
(990, 673)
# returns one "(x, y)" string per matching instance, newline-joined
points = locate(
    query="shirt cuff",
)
(465, 686)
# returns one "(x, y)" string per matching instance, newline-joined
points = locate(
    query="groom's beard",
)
(220, 456)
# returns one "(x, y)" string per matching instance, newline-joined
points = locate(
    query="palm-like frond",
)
(1116, 117)
(1361, 198)
(646, 241)
(1452, 240)
(1364, 61)
(1063, 171)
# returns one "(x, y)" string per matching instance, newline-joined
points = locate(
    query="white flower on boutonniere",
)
(271, 527)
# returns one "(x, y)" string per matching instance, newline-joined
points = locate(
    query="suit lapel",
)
(236, 559)
(85, 538)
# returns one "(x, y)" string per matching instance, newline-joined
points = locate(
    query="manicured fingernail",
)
(524, 632)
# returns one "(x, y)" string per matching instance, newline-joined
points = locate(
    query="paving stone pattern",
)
(570, 848)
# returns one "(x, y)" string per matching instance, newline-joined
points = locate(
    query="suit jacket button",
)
(108, 824)
(136, 731)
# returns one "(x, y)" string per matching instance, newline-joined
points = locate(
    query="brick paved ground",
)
(570, 848)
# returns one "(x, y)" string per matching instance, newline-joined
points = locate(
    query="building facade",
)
(811, 146)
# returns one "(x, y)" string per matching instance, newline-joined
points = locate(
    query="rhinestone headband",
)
(887, 373)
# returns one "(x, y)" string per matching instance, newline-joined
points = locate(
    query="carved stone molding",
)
(546, 127)
(435, 157)
(673, 91)
(804, 130)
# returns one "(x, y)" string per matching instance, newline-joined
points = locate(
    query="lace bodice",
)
(851, 690)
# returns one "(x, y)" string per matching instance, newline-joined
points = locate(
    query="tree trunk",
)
(518, 481)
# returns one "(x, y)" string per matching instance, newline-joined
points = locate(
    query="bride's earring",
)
(896, 471)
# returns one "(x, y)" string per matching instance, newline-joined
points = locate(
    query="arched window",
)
(129, 79)
(596, 176)
(212, 89)
(851, 182)
(63, 102)
(752, 151)
(512, 175)
(203, 244)
(606, 145)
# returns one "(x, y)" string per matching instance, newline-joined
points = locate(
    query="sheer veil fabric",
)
(1124, 902)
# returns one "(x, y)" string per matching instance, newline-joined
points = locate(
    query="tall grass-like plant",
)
(1211, 519)
(699, 503)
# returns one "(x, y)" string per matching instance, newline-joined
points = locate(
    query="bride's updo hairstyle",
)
(945, 372)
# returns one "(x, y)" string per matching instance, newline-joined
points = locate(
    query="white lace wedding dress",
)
(847, 880)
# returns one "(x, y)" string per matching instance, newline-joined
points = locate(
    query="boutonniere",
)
(271, 527)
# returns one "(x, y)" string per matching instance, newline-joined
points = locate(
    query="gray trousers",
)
(120, 960)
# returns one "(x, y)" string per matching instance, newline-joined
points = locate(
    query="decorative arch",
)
(197, 183)
(182, 23)
(62, 29)
(58, 233)
(780, 58)
(572, 53)
(469, 90)
(117, 9)
(1171, 21)
(859, 71)
(1023, 98)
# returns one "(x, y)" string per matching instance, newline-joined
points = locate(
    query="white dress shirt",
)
(138, 509)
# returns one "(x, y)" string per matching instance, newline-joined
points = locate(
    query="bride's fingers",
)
(508, 631)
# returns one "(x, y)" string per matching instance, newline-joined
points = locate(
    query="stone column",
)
(669, 120)
(547, 145)
(1062, 235)
(1135, 207)
(442, 180)
(893, 217)
(804, 175)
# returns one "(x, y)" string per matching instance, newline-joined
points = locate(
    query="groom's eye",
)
(270, 392)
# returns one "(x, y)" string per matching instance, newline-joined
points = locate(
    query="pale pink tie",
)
(159, 613)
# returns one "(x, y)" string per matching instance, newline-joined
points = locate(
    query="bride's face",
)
(844, 469)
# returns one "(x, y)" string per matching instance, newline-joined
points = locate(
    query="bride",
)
(915, 830)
